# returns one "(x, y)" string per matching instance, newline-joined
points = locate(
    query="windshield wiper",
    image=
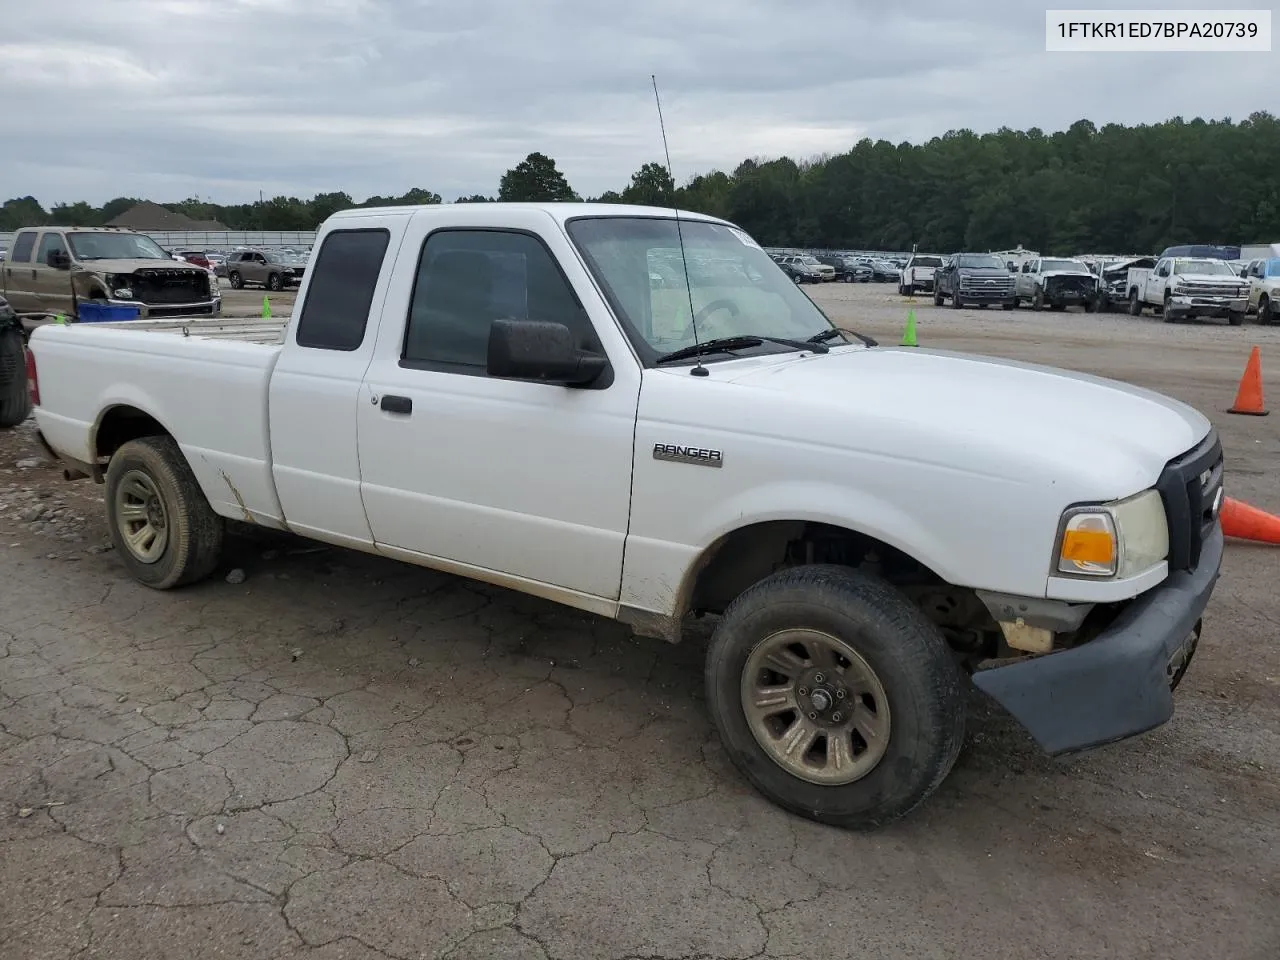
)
(834, 332)
(724, 344)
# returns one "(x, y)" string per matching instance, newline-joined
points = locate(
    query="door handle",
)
(393, 404)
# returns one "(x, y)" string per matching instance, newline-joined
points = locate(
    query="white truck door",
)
(1158, 282)
(315, 386)
(529, 480)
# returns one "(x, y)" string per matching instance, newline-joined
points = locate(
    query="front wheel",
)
(161, 524)
(1236, 318)
(15, 402)
(1009, 304)
(1266, 312)
(237, 281)
(835, 696)
(937, 297)
(274, 282)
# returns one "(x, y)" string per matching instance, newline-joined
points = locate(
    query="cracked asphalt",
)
(344, 758)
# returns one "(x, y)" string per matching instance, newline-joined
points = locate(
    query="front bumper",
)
(202, 308)
(1208, 306)
(1119, 684)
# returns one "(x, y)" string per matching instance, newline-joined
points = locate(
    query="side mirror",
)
(537, 350)
(58, 259)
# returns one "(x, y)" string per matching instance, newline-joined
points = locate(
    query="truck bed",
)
(243, 329)
(205, 381)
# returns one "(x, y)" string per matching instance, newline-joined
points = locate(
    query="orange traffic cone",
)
(1249, 396)
(1244, 522)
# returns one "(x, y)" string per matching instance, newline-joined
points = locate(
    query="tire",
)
(237, 281)
(191, 532)
(15, 402)
(1135, 305)
(273, 282)
(847, 278)
(937, 296)
(923, 708)
(955, 300)
(1236, 318)
(1266, 312)
(1009, 305)
(1037, 300)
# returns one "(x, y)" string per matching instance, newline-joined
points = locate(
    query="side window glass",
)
(21, 252)
(50, 243)
(336, 310)
(469, 278)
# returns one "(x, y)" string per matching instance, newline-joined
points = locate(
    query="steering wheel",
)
(712, 307)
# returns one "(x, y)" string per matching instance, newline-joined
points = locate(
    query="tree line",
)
(1110, 189)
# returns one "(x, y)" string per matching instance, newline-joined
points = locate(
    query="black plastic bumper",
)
(1121, 683)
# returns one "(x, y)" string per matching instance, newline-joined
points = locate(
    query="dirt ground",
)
(333, 756)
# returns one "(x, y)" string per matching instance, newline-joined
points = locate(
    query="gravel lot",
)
(341, 757)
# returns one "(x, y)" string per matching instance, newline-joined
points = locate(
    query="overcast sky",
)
(167, 99)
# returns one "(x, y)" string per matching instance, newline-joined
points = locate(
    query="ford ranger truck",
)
(499, 392)
(53, 270)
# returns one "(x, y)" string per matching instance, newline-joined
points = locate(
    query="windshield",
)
(980, 261)
(1211, 267)
(735, 288)
(926, 261)
(115, 246)
(1063, 265)
(810, 261)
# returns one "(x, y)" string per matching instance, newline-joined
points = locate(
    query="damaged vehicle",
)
(1056, 284)
(54, 270)
(1113, 283)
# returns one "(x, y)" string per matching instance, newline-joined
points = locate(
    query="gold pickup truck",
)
(52, 270)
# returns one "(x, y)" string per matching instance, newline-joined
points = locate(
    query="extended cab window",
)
(50, 243)
(21, 252)
(336, 310)
(469, 278)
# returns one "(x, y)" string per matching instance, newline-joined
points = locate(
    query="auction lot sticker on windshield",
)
(1157, 31)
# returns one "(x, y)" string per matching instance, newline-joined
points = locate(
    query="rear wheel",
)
(1135, 305)
(161, 524)
(15, 403)
(835, 696)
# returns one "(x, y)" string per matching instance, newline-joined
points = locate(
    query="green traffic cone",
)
(909, 334)
(266, 308)
(60, 318)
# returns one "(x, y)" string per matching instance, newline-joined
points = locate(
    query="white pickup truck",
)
(498, 391)
(1184, 288)
(918, 273)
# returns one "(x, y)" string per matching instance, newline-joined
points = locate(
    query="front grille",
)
(170, 286)
(1188, 486)
(995, 286)
(1209, 290)
(1070, 284)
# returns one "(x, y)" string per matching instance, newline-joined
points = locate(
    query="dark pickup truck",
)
(976, 279)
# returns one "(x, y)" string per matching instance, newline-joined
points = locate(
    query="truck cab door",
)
(315, 385)
(516, 482)
(20, 273)
(53, 283)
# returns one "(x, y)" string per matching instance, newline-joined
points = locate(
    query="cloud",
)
(224, 98)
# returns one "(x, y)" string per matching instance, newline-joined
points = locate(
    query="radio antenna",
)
(698, 370)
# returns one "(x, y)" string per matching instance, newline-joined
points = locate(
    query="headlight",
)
(1119, 539)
